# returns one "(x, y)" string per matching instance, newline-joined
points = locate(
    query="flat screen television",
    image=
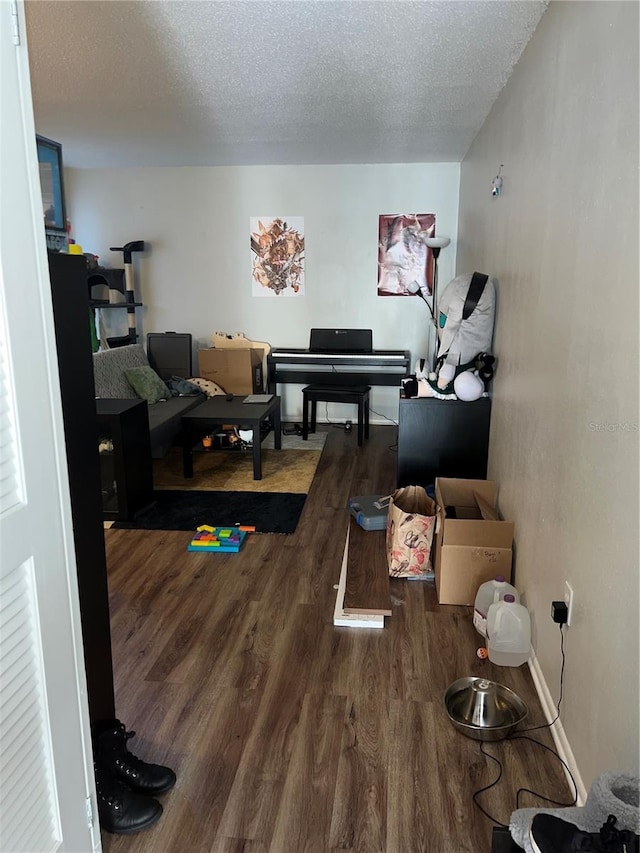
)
(52, 187)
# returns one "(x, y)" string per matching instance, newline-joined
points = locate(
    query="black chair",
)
(358, 394)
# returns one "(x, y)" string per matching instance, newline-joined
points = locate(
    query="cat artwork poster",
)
(403, 257)
(277, 255)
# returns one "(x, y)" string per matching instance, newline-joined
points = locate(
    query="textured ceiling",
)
(224, 82)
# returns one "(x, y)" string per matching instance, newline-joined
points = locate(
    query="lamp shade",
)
(437, 242)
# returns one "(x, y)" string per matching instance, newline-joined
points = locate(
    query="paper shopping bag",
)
(410, 526)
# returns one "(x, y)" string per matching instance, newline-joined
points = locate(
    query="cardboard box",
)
(238, 340)
(238, 371)
(472, 544)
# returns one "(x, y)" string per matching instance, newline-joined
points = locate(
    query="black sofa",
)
(111, 382)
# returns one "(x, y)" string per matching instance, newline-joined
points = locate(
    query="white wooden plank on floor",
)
(351, 620)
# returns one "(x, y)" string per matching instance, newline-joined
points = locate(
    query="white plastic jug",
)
(488, 593)
(508, 632)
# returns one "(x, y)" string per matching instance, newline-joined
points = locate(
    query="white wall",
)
(197, 276)
(563, 245)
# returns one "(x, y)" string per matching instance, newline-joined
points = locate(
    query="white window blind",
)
(27, 795)
(28, 803)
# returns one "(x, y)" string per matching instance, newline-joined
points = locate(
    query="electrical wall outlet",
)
(568, 600)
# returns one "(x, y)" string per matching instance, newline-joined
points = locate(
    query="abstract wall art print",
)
(277, 255)
(403, 257)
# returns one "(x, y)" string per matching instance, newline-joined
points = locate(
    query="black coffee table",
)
(217, 411)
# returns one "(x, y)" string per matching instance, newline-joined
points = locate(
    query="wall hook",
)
(496, 183)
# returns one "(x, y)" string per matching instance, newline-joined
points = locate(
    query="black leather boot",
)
(111, 745)
(121, 810)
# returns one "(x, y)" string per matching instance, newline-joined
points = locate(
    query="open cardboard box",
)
(237, 370)
(472, 544)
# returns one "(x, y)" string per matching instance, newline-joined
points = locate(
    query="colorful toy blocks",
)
(217, 539)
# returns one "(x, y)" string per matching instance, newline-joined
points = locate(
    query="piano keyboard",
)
(299, 366)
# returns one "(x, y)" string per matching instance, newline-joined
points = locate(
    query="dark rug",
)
(269, 512)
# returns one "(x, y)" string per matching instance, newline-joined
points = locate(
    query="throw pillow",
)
(147, 384)
(207, 386)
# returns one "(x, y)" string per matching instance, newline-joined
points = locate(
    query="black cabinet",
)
(442, 438)
(125, 457)
(71, 314)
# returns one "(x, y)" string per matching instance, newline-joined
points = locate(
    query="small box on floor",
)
(472, 544)
(370, 511)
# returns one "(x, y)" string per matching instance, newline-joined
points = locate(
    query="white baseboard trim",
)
(557, 730)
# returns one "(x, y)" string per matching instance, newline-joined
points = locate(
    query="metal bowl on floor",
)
(482, 709)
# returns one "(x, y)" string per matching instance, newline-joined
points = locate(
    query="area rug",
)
(223, 493)
(277, 512)
(290, 470)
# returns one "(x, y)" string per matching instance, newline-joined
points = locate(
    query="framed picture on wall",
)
(54, 210)
(52, 184)
(403, 257)
(277, 255)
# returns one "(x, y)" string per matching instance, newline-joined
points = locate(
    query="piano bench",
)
(358, 394)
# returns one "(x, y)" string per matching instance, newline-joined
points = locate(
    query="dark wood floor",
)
(289, 735)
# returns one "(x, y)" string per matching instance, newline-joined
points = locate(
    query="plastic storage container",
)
(488, 593)
(508, 632)
(370, 511)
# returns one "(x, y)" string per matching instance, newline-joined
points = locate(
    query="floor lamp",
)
(435, 244)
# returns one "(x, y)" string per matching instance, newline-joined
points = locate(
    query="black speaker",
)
(170, 354)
